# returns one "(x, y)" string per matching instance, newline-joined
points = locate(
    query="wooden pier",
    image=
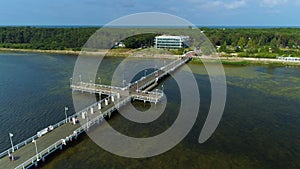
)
(36, 148)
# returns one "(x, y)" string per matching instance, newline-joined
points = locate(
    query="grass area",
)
(235, 63)
(224, 62)
(268, 55)
(259, 55)
(241, 62)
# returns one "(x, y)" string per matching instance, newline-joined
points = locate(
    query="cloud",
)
(213, 4)
(222, 4)
(235, 4)
(272, 3)
(111, 3)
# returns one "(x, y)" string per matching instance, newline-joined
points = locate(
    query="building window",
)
(171, 42)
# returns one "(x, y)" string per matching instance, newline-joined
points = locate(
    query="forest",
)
(267, 42)
(44, 38)
(245, 42)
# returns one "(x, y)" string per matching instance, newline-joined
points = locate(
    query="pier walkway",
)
(36, 148)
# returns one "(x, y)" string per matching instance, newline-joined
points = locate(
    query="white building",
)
(119, 45)
(171, 42)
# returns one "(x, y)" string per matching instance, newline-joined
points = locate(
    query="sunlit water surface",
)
(259, 129)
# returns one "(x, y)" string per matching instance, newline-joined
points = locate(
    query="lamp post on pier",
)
(11, 142)
(36, 150)
(87, 122)
(66, 109)
(70, 81)
(80, 79)
(124, 81)
(156, 95)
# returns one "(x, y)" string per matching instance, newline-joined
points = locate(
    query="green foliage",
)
(257, 55)
(251, 46)
(223, 47)
(246, 42)
(256, 40)
(235, 63)
(177, 51)
(196, 61)
(265, 55)
(140, 41)
(242, 42)
(207, 48)
(44, 38)
(280, 37)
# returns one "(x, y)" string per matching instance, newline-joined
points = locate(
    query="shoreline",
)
(69, 52)
(262, 61)
(237, 61)
(94, 53)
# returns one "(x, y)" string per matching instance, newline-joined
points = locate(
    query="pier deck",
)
(25, 153)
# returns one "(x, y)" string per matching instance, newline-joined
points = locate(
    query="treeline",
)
(140, 41)
(44, 38)
(269, 40)
(69, 38)
(281, 37)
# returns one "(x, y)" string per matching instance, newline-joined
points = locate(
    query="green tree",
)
(250, 44)
(274, 44)
(242, 42)
(207, 48)
(223, 47)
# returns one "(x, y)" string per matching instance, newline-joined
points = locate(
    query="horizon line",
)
(199, 26)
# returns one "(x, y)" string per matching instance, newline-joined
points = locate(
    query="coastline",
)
(107, 53)
(69, 52)
(239, 61)
(262, 61)
(234, 61)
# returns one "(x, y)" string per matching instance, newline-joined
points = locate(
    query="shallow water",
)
(259, 129)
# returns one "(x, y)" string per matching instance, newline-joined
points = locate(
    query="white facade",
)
(171, 42)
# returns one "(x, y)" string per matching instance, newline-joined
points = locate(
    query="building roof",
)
(172, 37)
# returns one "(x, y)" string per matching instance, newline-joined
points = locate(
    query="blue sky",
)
(199, 12)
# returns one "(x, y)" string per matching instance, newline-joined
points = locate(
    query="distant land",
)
(199, 26)
(230, 41)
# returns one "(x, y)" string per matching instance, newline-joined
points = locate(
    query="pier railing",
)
(165, 69)
(58, 144)
(91, 87)
(62, 122)
(31, 161)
